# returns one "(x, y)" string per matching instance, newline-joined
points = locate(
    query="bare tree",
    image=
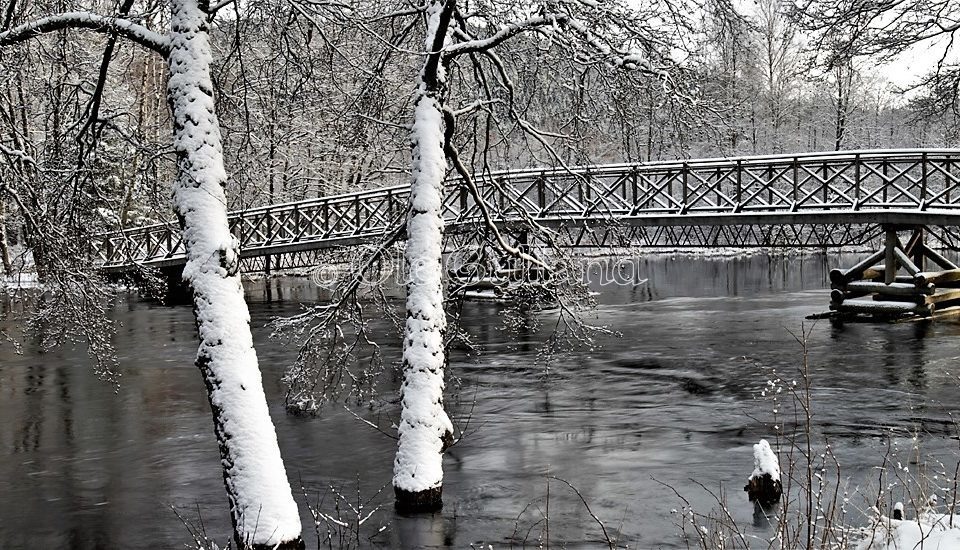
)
(850, 30)
(262, 508)
(779, 52)
(844, 76)
(469, 81)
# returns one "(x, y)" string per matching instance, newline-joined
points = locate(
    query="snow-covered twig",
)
(18, 154)
(368, 423)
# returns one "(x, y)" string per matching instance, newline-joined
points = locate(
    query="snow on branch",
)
(566, 25)
(18, 154)
(86, 20)
(504, 34)
(633, 61)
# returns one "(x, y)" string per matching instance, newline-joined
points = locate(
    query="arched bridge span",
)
(804, 200)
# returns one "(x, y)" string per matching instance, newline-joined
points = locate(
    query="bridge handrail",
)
(601, 169)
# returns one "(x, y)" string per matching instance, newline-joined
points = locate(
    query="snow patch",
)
(930, 531)
(765, 461)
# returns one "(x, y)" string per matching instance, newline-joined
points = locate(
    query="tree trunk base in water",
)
(297, 544)
(422, 501)
(764, 489)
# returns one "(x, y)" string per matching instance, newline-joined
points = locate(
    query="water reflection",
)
(423, 531)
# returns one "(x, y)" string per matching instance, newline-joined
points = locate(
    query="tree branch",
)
(454, 157)
(86, 20)
(504, 34)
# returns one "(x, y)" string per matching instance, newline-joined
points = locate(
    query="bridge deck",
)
(904, 187)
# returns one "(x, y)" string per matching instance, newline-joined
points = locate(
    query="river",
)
(674, 402)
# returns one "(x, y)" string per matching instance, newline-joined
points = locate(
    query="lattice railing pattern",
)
(806, 184)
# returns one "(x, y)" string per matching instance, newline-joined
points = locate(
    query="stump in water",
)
(764, 485)
(409, 502)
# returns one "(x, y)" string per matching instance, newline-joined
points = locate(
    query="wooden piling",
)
(905, 262)
(938, 259)
(764, 490)
(890, 255)
(871, 290)
(915, 247)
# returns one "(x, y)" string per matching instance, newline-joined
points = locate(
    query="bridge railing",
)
(859, 180)
(804, 183)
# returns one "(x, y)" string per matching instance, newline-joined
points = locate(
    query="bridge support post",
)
(890, 254)
(178, 292)
(917, 247)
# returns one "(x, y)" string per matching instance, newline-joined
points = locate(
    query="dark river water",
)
(673, 403)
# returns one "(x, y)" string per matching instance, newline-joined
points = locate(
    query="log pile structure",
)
(895, 283)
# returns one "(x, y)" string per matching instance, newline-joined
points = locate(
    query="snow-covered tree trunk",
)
(262, 508)
(425, 429)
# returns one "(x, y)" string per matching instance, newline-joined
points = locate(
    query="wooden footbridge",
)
(806, 200)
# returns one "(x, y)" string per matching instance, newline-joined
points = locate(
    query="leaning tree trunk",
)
(425, 428)
(262, 508)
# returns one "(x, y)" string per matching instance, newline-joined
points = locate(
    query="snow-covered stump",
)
(425, 429)
(764, 485)
(262, 507)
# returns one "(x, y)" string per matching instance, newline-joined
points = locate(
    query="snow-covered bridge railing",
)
(698, 201)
